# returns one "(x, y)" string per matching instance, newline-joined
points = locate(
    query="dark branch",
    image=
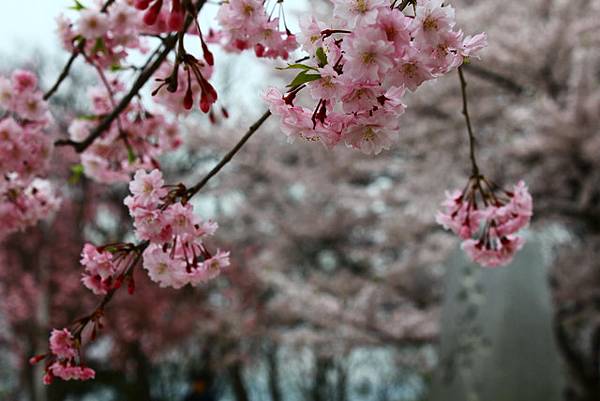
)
(227, 158)
(465, 111)
(495, 78)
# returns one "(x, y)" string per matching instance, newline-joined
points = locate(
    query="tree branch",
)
(494, 78)
(465, 112)
(227, 158)
(74, 54)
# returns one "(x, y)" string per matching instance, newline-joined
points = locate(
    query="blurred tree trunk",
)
(140, 389)
(28, 375)
(273, 364)
(583, 379)
(319, 390)
(342, 382)
(237, 382)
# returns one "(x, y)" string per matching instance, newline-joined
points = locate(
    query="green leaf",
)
(297, 66)
(322, 57)
(99, 46)
(111, 249)
(88, 117)
(131, 157)
(78, 6)
(115, 67)
(303, 78)
(77, 171)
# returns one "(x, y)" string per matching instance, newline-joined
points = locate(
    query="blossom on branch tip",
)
(487, 219)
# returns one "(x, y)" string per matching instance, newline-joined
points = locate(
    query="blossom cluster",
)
(25, 149)
(135, 141)
(487, 220)
(64, 359)
(246, 25)
(176, 254)
(106, 36)
(358, 70)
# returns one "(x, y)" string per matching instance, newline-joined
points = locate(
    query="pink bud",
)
(188, 100)
(176, 16)
(35, 359)
(151, 15)
(259, 50)
(142, 4)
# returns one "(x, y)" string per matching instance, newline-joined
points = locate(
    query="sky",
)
(29, 24)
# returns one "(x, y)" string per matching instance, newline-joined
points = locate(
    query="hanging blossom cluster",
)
(358, 70)
(134, 142)
(25, 150)
(487, 220)
(64, 359)
(176, 254)
(245, 24)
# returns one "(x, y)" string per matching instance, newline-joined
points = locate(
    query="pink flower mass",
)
(351, 66)
(487, 220)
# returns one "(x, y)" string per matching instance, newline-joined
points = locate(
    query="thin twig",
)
(227, 158)
(495, 78)
(465, 112)
(66, 70)
(74, 54)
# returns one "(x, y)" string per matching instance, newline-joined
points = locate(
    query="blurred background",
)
(342, 287)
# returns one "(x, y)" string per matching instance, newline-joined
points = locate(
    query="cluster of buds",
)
(487, 219)
(154, 10)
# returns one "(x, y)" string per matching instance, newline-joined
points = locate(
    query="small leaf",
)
(131, 157)
(78, 6)
(303, 78)
(322, 57)
(99, 46)
(89, 117)
(115, 67)
(297, 66)
(77, 171)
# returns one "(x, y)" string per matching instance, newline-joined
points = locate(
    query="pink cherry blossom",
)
(368, 54)
(148, 188)
(164, 269)
(92, 24)
(67, 371)
(358, 11)
(62, 344)
(497, 254)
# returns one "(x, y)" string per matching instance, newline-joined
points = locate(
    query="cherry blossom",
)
(176, 254)
(246, 25)
(353, 66)
(64, 359)
(487, 220)
(25, 151)
(62, 344)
